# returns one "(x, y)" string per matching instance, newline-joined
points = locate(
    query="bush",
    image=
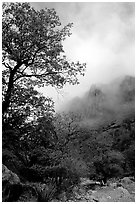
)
(60, 175)
(130, 159)
(11, 192)
(12, 162)
(109, 165)
(46, 192)
(75, 165)
(32, 174)
(115, 170)
(39, 156)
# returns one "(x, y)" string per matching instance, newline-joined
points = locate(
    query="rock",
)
(132, 178)
(126, 180)
(9, 176)
(123, 190)
(19, 193)
(124, 195)
(83, 179)
(102, 199)
(90, 184)
(94, 191)
(114, 185)
(89, 197)
(55, 200)
(13, 190)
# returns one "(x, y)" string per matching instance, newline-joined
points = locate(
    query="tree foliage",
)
(32, 49)
(66, 127)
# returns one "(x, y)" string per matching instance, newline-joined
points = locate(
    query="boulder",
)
(126, 180)
(113, 185)
(124, 191)
(10, 184)
(9, 176)
(13, 190)
(125, 196)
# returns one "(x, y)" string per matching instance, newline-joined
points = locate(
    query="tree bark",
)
(6, 102)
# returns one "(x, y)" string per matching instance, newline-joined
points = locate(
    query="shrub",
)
(10, 160)
(46, 192)
(115, 170)
(32, 174)
(75, 165)
(11, 192)
(39, 156)
(109, 165)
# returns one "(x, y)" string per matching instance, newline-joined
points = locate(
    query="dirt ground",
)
(111, 193)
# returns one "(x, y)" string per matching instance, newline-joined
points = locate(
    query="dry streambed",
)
(87, 191)
(123, 191)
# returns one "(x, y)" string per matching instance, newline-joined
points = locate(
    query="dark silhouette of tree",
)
(32, 49)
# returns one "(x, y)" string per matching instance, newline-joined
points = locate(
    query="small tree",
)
(109, 165)
(32, 49)
(67, 129)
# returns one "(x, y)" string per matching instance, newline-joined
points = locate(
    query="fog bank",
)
(103, 36)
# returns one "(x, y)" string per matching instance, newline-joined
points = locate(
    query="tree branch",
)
(21, 72)
(36, 75)
(6, 102)
(33, 58)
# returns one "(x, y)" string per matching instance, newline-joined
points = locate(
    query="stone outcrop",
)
(15, 191)
(9, 176)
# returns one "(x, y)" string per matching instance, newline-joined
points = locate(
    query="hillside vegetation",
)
(95, 140)
(45, 154)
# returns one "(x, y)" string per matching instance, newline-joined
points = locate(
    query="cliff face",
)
(109, 100)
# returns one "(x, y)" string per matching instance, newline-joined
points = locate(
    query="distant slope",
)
(106, 101)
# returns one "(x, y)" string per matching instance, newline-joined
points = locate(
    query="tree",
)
(27, 106)
(26, 126)
(109, 165)
(67, 128)
(32, 49)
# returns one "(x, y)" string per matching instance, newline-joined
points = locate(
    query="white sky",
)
(102, 36)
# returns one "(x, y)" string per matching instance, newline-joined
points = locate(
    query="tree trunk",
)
(6, 102)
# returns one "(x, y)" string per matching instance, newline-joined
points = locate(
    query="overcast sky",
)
(102, 36)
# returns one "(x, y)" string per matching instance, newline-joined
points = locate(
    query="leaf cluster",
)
(33, 39)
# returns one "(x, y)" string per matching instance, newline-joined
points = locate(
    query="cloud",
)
(102, 36)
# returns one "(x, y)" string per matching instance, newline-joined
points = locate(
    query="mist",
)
(103, 37)
(104, 103)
